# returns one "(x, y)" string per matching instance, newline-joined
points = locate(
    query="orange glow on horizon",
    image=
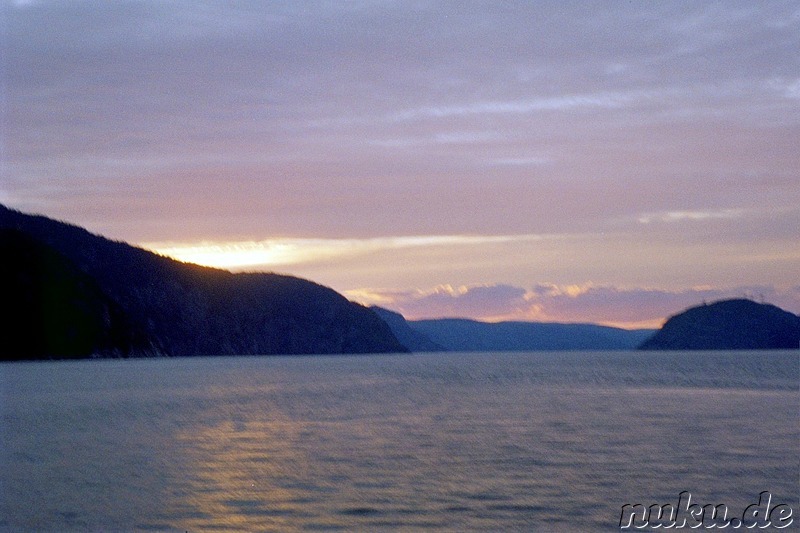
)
(237, 255)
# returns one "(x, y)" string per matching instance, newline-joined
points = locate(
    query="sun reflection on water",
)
(243, 477)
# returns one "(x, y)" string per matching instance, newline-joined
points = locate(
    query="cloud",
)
(679, 216)
(456, 137)
(607, 304)
(789, 89)
(477, 301)
(520, 161)
(556, 103)
(214, 127)
(291, 251)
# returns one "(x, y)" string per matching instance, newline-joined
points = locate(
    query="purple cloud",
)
(662, 135)
(628, 307)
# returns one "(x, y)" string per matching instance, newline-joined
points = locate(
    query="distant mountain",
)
(408, 336)
(469, 335)
(728, 325)
(123, 300)
(463, 335)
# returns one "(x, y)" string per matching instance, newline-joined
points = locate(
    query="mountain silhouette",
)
(464, 335)
(53, 309)
(126, 301)
(737, 324)
(406, 334)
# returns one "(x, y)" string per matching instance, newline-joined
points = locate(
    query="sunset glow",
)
(284, 252)
(545, 160)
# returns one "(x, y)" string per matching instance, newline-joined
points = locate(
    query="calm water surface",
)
(449, 442)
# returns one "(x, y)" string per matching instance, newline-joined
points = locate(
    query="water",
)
(449, 442)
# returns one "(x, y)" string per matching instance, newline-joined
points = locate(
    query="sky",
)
(611, 162)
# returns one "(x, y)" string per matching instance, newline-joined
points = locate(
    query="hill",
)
(146, 304)
(408, 336)
(463, 335)
(737, 324)
(53, 309)
(470, 335)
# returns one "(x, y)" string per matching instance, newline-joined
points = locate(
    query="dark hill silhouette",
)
(728, 325)
(408, 336)
(185, 309)
(53, 309)
(463, 335)
(458, 334)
